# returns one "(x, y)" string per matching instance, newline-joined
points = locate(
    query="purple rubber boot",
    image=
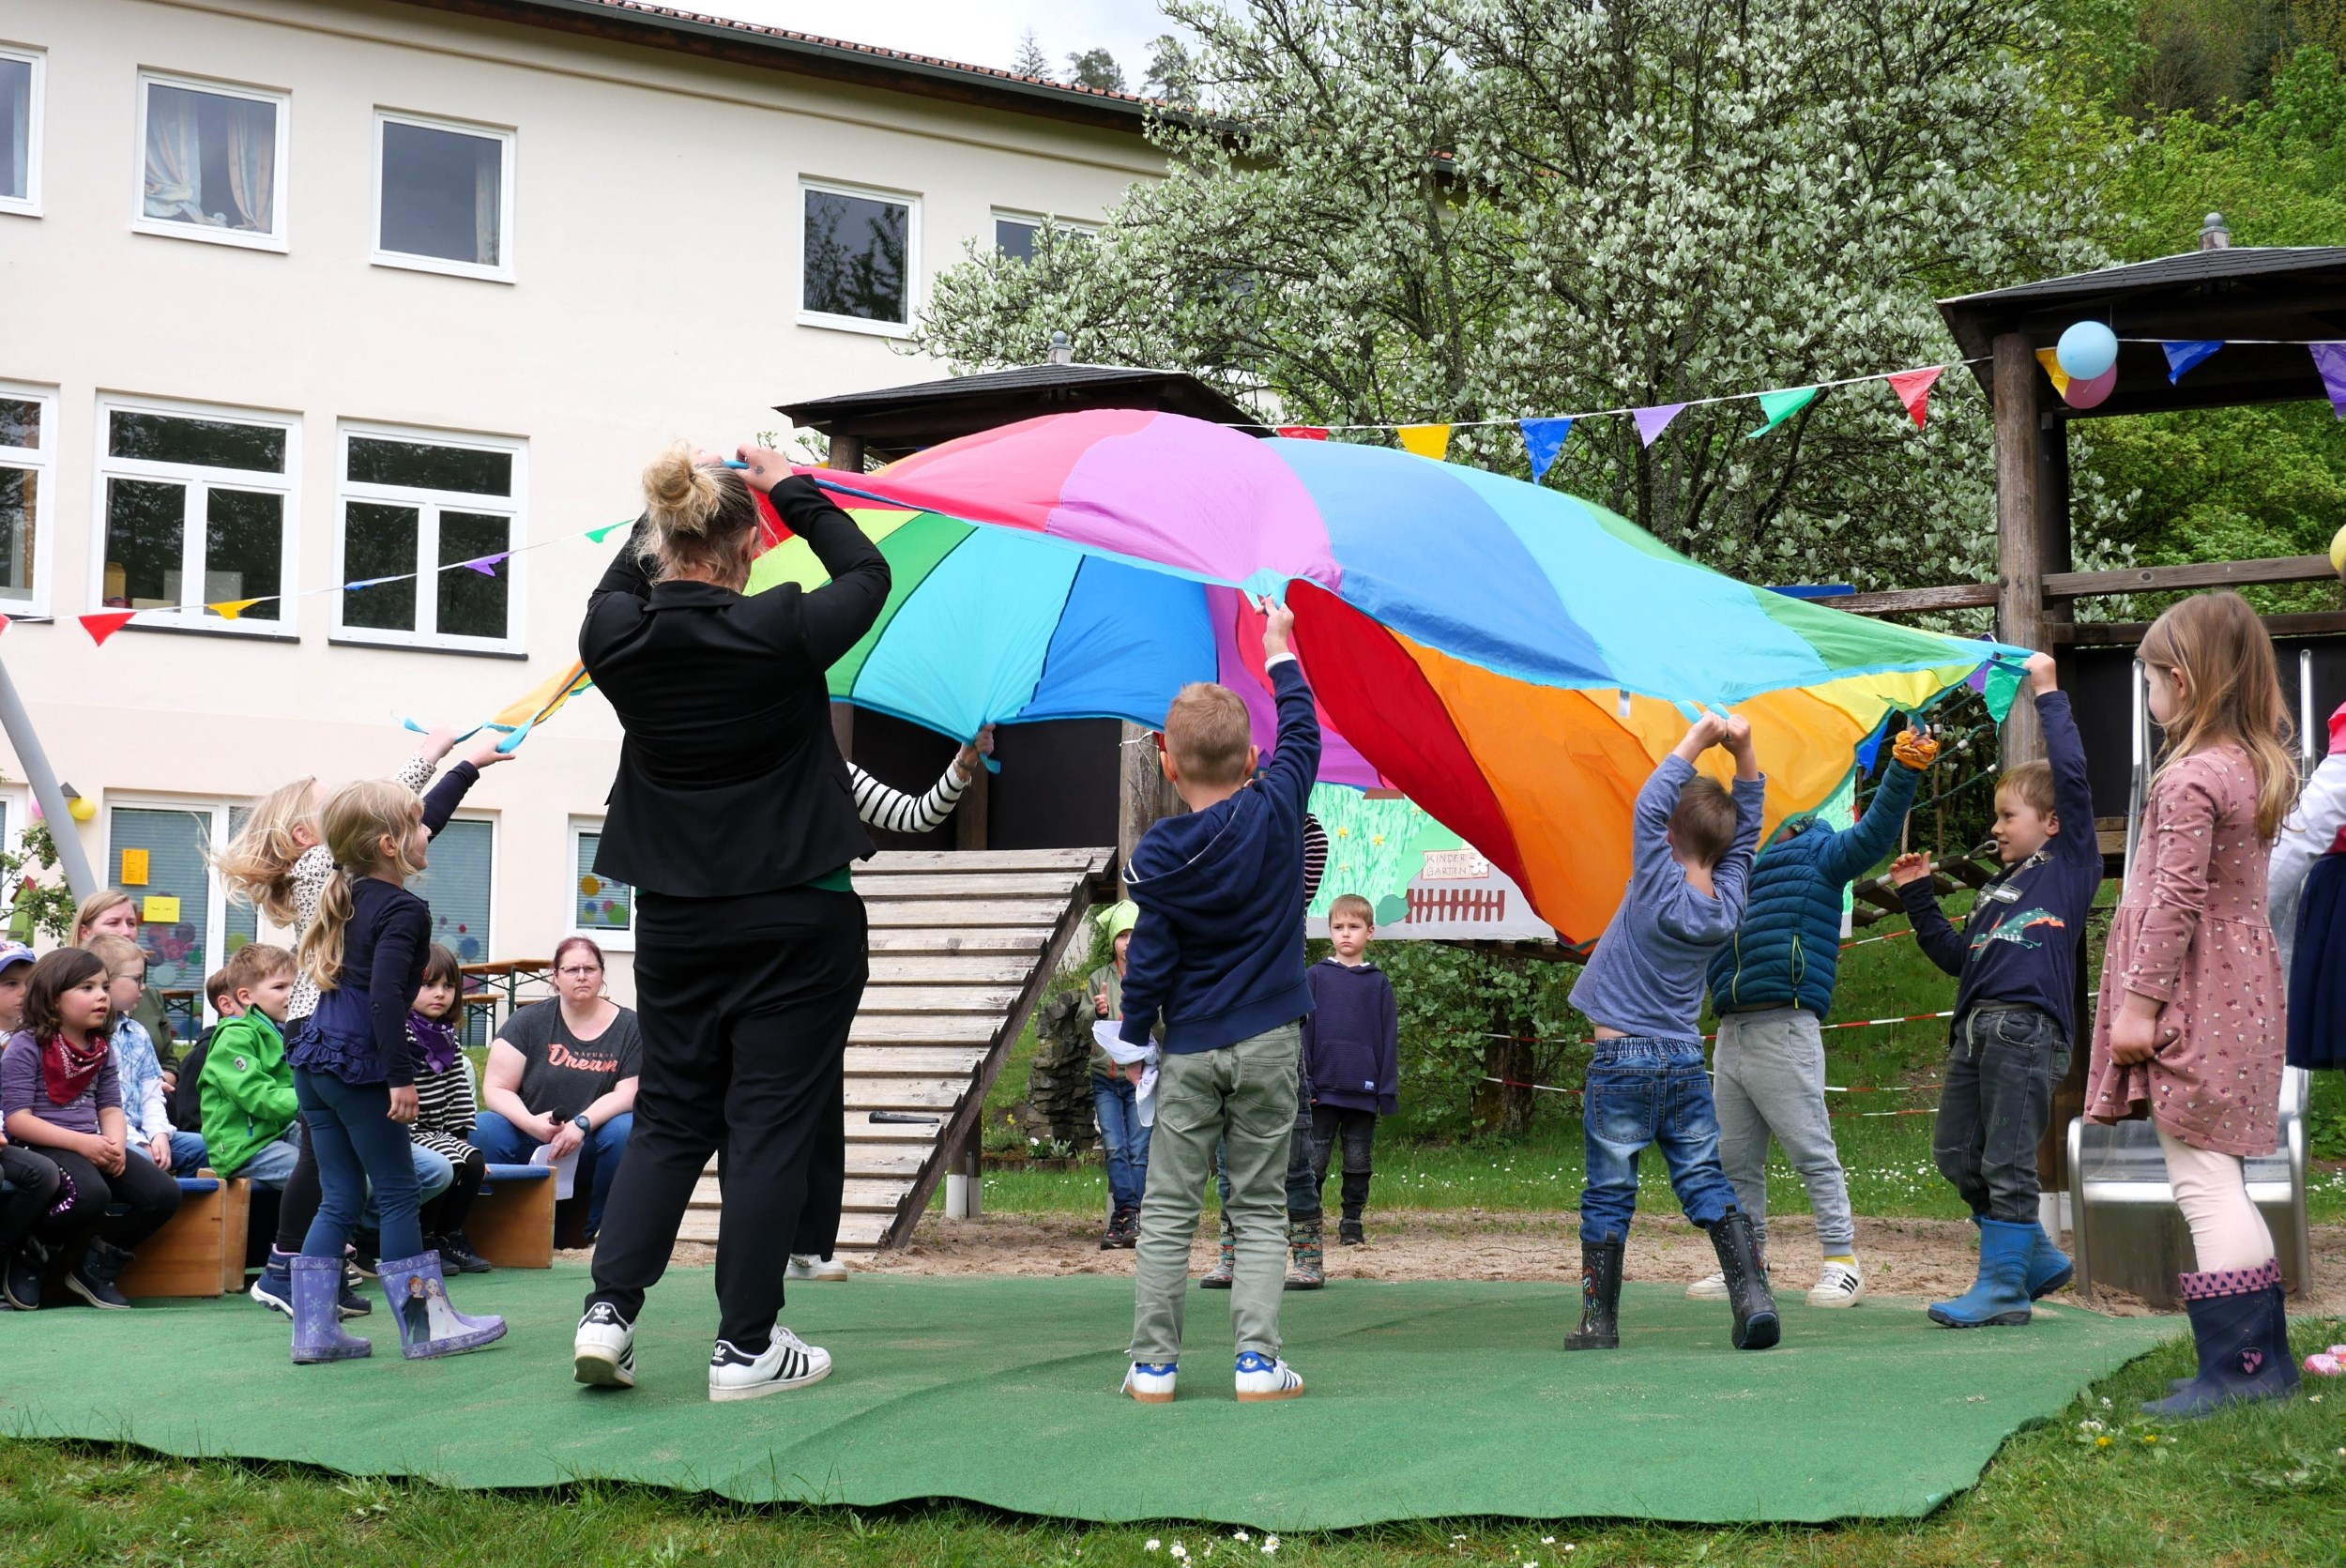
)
(317, 1324)
(429, 1323)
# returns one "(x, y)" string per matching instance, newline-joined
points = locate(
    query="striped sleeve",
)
(898, 813)
(1314, 855)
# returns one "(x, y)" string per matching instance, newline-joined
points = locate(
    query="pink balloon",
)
(2091, 394)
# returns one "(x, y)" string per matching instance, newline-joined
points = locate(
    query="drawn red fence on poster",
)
(1456, 903)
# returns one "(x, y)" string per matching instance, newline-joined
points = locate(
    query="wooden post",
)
(2054, 554)
(2020, 552)
(846, 453)
(1143, 797)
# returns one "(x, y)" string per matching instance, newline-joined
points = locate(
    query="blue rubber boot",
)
(2241, 1328)
(2049, 1267)
(429, 1323)
(1999, 1298)
(317, 1326)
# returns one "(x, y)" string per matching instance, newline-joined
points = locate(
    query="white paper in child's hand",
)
(1124, 1052)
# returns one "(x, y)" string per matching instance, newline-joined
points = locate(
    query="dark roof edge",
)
(805, 55)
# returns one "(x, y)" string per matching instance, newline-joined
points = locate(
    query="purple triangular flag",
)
(1653, 421)
(1542, 440)
(2330, 359)
(2183, 354)
(486, 565)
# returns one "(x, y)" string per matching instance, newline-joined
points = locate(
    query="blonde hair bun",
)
(682, 494)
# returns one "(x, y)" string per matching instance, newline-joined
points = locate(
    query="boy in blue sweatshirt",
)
(1351, 1055)
(1218, 953)
(1770, 985)
(2015, 1010)
(1690, 860)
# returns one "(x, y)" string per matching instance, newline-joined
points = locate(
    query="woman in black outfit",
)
(732, 819)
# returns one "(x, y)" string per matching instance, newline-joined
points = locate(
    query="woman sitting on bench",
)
(562, 1077)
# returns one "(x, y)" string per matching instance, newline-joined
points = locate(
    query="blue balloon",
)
(2086, 350)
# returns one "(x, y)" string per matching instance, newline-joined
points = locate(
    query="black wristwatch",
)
(584, 1123)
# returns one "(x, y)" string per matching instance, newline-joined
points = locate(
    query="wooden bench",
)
(512, 1222)
(201, 1251)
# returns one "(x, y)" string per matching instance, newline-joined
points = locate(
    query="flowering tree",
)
(1405, 210)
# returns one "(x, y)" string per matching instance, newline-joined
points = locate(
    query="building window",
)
(20, 130)
(457, 886)
(197, 512)
(1014, 233)
(444, 196)
(859, 246)
(28, 422)
(214, 165)
(600, 907)
(160, 854)
(430, 523)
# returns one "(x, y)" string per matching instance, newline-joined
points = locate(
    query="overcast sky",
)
(980, 31)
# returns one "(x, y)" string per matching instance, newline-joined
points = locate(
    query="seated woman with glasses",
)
(562, 1077)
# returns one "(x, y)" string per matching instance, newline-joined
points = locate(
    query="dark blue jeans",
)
(1995, 1099)
(597, 1157)
(358, 1145)
(1642, 1092)
(1123, 1138)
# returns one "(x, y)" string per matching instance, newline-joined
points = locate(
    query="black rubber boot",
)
(1756, 1324)
(1600, 1298)
(1355, 1193)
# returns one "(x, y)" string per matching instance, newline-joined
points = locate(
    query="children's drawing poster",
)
(1424, 882)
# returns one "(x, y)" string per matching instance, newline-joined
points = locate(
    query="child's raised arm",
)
(1294, 763)
(1940, 942)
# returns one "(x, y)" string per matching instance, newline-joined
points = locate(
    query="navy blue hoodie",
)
(1219, 949)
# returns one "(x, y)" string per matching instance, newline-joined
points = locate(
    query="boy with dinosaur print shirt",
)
(2014, 1009)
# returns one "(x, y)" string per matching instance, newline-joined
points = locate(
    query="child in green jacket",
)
(246, 1086)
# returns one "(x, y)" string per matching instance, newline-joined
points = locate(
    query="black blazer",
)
(729, 781)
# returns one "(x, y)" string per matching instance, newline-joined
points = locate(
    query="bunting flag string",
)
(1653, 421)
(1543, 439)
(2182, 357)
(1913, 391)
(1426, 440)
(1776, 407)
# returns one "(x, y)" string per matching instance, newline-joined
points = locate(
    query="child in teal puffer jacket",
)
(1770, 986)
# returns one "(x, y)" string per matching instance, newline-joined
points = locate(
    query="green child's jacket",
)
(246, 1089)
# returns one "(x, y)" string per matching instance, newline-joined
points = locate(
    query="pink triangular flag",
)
(102, 627)
(1653, 421)
(1914, 389)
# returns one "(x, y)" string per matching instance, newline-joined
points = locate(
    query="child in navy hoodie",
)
(1218, 953)
(1352, 1054)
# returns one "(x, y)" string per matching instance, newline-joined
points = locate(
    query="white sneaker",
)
(806, 1265)
(1710, 1287)
(1838, 1285)
(1261, 1377)
(1152, 1382)
(603, 1354)
(788, 1363)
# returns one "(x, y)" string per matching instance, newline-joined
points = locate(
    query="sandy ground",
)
(1917, 1260)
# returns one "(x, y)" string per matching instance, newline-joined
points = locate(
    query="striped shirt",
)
(899, 813)
(1314, 855)
(444, 1109)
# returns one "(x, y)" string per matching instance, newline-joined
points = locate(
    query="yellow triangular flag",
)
(229, 609)
(1426, 440)
(2051, 362)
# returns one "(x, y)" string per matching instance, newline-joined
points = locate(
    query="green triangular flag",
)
(2002, 685)
(599, 534)
(1781, 405)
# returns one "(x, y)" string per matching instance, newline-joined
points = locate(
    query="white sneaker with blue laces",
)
(1261, 1377)
(1152, 1382)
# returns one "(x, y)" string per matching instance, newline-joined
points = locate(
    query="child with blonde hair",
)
(355, 1080)
(2190, 1028)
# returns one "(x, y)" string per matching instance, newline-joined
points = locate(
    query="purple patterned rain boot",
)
(317, 1323)
(429, 1323)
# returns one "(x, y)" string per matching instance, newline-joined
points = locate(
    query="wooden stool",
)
(511, 1223)
(201, 1252)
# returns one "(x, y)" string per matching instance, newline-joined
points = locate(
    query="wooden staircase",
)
(963, 943)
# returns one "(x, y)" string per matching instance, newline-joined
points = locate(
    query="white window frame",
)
(604, 937)
(909, 199)
(15, 812)
(28, 205)
(42, 460)
(141, 224)
(503, 271)
(1040, 220)
(428, 504)
(199, 481)
(214, 886)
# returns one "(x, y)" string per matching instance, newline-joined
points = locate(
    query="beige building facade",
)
(295, 296)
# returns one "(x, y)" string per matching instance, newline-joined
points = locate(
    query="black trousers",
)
(448, 1212)
(1356, 1130)
(150, 1197)
(744, 1005)
(33, 1183)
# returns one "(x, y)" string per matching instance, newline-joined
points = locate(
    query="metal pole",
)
(38, 773)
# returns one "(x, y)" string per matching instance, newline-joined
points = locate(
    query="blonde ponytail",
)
(698, 520)
(356, 822)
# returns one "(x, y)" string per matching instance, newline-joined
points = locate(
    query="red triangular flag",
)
(1303, 433)
(1914, 389)
(102, 627)
(4, 623)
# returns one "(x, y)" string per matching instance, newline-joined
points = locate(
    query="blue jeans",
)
(1640, 1092)
(273, 1161)
(358, 1146)
(504, 1144)
(187, 1151)
(1122, 1137)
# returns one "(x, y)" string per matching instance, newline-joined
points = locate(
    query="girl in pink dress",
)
(2190, 1028)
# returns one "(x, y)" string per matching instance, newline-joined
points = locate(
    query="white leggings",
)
(2212, 1189)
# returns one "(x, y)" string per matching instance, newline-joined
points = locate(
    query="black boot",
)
(1349, 1232)
(1600, 1298)
(1747, 1293)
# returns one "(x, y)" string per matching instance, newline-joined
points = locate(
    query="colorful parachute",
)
(1512, 659)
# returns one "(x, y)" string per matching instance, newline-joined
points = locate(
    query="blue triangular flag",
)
(1544, 439)
(2182, 356)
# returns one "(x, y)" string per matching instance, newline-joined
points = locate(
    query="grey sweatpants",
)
(1769, 1072)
